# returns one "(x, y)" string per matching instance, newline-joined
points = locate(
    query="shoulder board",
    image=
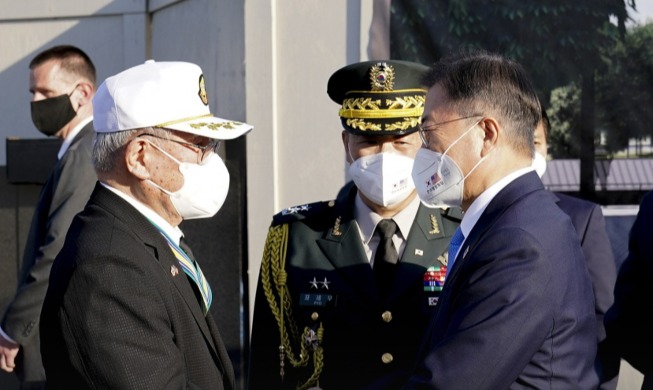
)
(305, 211)
(454, 213)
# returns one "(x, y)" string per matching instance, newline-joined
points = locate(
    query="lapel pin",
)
(419, 252)
(174, 271)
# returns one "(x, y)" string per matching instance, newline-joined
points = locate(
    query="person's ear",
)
(84, 92)
(492, 131)
(345, 143)
(137, 159)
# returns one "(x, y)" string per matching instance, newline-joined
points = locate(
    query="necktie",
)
(385, 260)
(193, 270)
(454, 246)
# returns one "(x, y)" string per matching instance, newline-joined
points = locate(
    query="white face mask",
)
(539, 163)
(204, 190)
(384, 178)
(438, 179)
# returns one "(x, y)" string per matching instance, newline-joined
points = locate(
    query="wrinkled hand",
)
(8, 352)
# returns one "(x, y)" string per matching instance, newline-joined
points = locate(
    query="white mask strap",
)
(164, 152)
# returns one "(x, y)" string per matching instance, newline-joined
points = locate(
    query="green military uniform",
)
(319, 318)
(324, 289)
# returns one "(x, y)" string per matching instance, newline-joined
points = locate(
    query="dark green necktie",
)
(385, 260)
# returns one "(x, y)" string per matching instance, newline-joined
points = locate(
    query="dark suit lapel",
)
(152, 238)
(515, 190)
(224, 362)
(184, 286)
(343, 248)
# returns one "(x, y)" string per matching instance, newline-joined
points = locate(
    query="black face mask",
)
(50, 115)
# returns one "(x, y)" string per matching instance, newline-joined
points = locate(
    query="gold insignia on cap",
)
(435, 228)
(382, 77)
(202, 92)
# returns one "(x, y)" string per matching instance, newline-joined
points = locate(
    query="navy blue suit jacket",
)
(517, 309)
(628, 321)
(589, 222)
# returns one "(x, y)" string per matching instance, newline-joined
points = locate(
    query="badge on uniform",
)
(434, 278)
(174, 271)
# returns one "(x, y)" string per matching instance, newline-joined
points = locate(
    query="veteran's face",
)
(357, 146)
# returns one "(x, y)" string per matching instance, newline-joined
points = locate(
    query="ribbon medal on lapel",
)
(434, 278)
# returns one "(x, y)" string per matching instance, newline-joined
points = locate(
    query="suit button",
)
(387, 358)
(387, 316)
(315, 316)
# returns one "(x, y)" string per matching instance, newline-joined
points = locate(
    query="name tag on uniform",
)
(313, 299)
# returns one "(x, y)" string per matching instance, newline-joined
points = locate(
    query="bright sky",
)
(644, 12)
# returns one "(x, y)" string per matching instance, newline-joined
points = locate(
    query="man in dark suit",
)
(62, 83)
(628, 321)
(517, 309)
(128, 305)
(589, 223)
(340, 305)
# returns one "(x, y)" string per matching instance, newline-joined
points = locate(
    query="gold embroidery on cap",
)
(382, 77)
(215, 126)
(404, 125)
(362, 125)
(366, 107)
(202, 92)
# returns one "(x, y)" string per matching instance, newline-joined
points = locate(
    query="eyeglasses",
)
(202, 150)
(424, 132)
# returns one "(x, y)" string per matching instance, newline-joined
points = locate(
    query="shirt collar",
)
(71, 136)
(368, 219)
(479, 205)
(173, 232)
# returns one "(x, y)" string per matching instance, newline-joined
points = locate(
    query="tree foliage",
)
(625, 90)
(554, 39)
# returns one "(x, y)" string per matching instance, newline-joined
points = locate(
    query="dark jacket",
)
(517, 309)
(314, 263)
(120, 313)
(63, 195)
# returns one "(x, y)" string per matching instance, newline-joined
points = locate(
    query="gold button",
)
(387, 316)
(315, 316)
(332, 203)
(387, 358)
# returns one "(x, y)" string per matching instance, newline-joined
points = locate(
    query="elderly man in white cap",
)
(128, 305)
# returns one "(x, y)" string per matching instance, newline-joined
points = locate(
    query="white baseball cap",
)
(170, 95)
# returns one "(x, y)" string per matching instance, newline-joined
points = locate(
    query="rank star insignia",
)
(295, 209)
(314, 283)
(174, 271)
(325, 284)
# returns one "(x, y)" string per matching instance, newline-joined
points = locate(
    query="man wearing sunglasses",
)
(128, 304)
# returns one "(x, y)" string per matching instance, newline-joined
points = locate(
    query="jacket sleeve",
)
(66, 193)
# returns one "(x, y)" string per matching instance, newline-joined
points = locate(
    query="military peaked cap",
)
(379, 97)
